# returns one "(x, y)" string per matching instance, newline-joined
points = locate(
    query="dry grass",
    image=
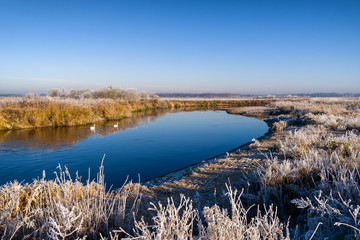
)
(18, 113)
(65, 208)
(279, 126)
(333, 113)
(317, 168)
(29, 112)
(177, 221)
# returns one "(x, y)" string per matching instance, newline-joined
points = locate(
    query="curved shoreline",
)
(259, 131)
(176, 175)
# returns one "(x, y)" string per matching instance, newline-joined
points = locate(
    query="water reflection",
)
(149, 144)
(52, 139)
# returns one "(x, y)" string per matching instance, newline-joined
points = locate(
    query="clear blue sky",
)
(259, 47)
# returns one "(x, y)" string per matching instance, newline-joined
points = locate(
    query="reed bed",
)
(65, 208)
(18, 113)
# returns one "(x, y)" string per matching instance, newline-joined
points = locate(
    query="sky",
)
(246, 47)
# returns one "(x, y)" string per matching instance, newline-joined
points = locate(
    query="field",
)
(300, 181)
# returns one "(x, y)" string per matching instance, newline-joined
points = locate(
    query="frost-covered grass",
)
(335, 204)
(308, 189)
(333, 113)
(316, 168)
(177, 221)
(337, 122)
(65, 208)
(329, 106)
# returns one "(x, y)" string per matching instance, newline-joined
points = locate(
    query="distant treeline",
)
(327, 94)
(203, 95)
(236, 95)
(130, 94)
(10, 95)
(109, 92)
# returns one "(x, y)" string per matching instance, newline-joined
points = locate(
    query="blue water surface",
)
(148, 146)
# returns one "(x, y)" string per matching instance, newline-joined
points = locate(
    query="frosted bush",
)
(170, 221)
(29, 95)
(54, 92)
(279, 126)
(101, 93)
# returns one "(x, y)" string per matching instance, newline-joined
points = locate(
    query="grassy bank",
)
(50, 139)
(65, 208)
(307, 169)
(17, 113)
(300, 182)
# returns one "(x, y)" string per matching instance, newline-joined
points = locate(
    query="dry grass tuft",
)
(177, 221)
(65, 208)
(279, 126)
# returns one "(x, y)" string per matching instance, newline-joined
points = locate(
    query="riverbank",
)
(262, 113)
(300, 181)
(18, 113)
(205, 182)
(65, 193)
(307, 166)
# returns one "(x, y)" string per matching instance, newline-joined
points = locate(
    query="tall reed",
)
(65, 208)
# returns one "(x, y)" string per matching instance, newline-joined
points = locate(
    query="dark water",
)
(149, 146)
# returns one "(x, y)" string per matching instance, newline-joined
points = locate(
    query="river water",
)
(148, 146)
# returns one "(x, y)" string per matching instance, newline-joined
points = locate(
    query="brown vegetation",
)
(65, 208)
(17, 113)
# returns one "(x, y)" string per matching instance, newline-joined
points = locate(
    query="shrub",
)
(279, 126)
(29, 95)
(101, 93)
